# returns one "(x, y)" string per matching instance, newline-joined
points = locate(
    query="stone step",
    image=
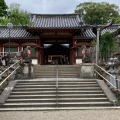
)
(45, 71)
(60, 100)
(58, 108)
(52, 104)
(59, 69)
(60, 86)
(54, 79)
(42, 93)
(54, 73)
(54, 82)
(64, 71)
(59, 96)
(56, 66)
(68, 76)
(45, 75)
(49, 76)
(54, 76)
(68, 88)
(54, 92)
(68, 73)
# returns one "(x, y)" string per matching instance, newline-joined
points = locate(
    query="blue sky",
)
(54, 6)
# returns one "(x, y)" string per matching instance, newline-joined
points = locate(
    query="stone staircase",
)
(42, 94)
(56, 87)
(62, 71)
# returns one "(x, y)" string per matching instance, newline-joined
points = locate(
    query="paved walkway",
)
(112, 114)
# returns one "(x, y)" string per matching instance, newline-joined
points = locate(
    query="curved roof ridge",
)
(55, 14)
(56, 20)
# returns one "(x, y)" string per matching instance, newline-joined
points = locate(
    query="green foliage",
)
(3, 10)
(97, 13)
(16, 16)
(4, 21)
(93, 43)
(107, 45)
(117, 19)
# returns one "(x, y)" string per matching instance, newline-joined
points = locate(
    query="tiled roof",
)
(112, 29)
(15, 32)
(60, 21)
(109, 29)
(53, 21)
(86, 34)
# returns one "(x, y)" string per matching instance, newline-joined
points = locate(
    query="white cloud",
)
(53, 6)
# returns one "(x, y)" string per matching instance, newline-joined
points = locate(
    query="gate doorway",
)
(56, 54)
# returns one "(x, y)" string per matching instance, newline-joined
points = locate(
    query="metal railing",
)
(99, 70)
(57, 84)
(16, 66)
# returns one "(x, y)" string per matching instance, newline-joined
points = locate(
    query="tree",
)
(3, 9)
(97, 13)
(117, 19)
(107, 46)
(17, 16)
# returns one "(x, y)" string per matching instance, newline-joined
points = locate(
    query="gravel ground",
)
(112, 114)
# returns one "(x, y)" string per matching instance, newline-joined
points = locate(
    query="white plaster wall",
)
(35, 61)
(78, 61)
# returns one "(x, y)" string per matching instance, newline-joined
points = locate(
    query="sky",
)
(54, 6)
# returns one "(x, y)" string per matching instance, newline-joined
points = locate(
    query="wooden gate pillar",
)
(72, 57)
(1, 48)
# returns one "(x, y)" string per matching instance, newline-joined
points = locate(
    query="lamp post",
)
(9, 25)
(97, 45)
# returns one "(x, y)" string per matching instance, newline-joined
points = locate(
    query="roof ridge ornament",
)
(34, 18)
(79, 20)
(77, 16)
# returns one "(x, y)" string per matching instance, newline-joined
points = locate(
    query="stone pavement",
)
(106, 114)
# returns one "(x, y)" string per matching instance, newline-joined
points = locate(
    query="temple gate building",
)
(54, 38)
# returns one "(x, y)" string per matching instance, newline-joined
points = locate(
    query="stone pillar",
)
(87, 70)
(27, 72)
